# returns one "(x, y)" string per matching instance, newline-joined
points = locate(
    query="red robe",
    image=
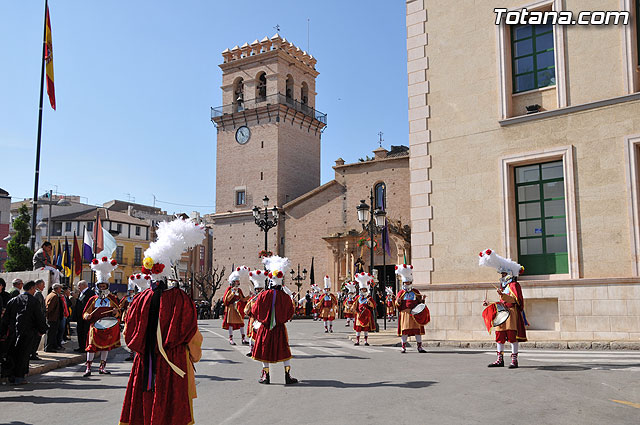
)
(170, 402)
(407, 325)
(102, 339)
(272, 345)
(349, 306)
(516, 292)
(364, 316)
(234, 309)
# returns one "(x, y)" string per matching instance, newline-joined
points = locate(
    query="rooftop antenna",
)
(380, 133)
(277, 28)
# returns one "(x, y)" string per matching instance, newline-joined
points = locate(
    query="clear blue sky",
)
(135, 81)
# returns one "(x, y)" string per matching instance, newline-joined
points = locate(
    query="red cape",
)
(169, 403)
(272, 345)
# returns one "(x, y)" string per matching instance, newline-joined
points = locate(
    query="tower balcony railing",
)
(272, 99)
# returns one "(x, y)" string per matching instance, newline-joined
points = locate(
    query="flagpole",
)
(37, 173)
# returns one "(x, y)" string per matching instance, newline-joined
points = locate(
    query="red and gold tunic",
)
(316, 300)
(247, 312)
(350, 306)
(511, 297)
(405, 301)
(327, 306)
(391, 308)
(272, 308)
(98, 308)
(170, 400)
(233, 300)
(364, 314)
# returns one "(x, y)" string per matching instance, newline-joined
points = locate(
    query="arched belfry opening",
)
(289, 87)
(261, 87)
(238, 95)
(304, 93)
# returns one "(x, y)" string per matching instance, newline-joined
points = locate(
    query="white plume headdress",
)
(405, 271)
(174, 238)
(103, 268)
(351, 287)
(364, 280)
(142, 281)
(489, 258)
(257, 277)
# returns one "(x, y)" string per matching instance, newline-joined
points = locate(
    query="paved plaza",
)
(343, 384)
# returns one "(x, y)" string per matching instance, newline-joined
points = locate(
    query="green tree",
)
(20, 256)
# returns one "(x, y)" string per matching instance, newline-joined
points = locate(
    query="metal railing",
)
(273, 99)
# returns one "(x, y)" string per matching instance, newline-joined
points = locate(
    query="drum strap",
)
(175, 368)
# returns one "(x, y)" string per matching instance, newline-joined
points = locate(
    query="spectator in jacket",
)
(17, 287)
(83, 326)
(40, 297)
(54, 315)
(24, 321)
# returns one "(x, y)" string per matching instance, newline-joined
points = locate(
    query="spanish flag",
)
(48, 58)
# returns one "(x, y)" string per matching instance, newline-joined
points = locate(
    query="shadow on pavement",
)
(578, 368)
(328, 356)
(225, 361)
(339, 384)
(215, 378)
(48, 400)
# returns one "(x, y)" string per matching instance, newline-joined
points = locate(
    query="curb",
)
(49, 365)
(394, 341)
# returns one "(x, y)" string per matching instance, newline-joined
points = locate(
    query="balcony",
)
(274, 99)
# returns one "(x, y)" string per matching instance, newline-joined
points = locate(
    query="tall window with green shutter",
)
(541, 218)
(533, 62)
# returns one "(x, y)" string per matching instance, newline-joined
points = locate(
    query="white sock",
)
(230, 332)
(330, 323)
(287, 363)
(242, 331)
(514, 347)
(265, 365)
(357, 334)
(90, 356)
(419, 338)
(366, 334)
(403, 338)
(104, 355)
(500, 347)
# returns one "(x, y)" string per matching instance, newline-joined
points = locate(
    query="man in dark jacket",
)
(38, 296)
(17, 287)
(24, 321)
(83, 326)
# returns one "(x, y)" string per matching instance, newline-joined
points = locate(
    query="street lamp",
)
(263, 221)
(298, 279)
(62, 202)
(371, 220)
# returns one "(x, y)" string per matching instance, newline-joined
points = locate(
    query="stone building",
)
(524, 139)
(268, 144)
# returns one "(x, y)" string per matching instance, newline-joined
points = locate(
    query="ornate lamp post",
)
(298, 279)
(371, 220)
(263, 221)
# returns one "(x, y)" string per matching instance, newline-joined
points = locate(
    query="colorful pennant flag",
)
(66, 259)
(48, 59)
(87, 246)
(77, 257)
(98, 235)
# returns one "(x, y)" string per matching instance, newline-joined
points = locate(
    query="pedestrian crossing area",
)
(595, 360)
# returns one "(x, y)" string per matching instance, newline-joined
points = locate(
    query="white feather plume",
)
(174, 238)
(276, 263)
(489, 258)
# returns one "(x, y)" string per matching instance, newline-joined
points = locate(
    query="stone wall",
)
(571, 310)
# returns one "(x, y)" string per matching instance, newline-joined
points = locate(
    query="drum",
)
(106, 323)
(421, 314)
(501, 316)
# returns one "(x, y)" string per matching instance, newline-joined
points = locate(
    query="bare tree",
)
(208, 283)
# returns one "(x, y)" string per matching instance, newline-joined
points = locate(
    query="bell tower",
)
(268, 138)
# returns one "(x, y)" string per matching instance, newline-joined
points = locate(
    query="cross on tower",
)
(380, 133)
(277, 28)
